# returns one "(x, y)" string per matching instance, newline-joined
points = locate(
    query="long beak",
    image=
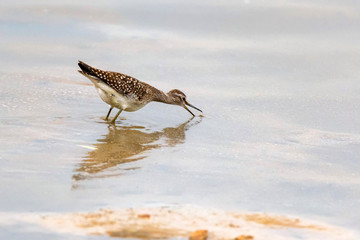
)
(192, 107)
(189, 110)
(186, 102)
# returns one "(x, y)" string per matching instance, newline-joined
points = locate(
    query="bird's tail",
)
(86, 69)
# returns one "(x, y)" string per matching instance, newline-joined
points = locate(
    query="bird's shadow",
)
(125, 144)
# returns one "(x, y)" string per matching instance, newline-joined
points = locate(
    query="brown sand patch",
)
(198, 235)
(279, 221)
(144, 216)
(244, 237)
(144, 232)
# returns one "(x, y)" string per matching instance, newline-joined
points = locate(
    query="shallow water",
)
(278, 84)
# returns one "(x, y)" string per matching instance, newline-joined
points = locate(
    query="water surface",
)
(278, 84)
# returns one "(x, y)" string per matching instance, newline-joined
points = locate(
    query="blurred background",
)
(278, 83)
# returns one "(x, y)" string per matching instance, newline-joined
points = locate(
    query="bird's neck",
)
(160, 96)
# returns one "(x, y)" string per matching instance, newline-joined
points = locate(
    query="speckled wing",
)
(123, 84)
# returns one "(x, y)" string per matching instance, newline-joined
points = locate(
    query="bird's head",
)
(177, 97)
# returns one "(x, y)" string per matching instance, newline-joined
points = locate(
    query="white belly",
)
(114, 99)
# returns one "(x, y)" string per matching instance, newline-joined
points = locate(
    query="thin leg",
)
(107, 116)
(114, 118)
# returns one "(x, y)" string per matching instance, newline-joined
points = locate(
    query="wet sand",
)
(186, 222)
(278, 84)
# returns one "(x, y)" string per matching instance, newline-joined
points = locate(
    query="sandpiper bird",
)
(127, 93)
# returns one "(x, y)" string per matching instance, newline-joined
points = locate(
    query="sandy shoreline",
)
(181, 222)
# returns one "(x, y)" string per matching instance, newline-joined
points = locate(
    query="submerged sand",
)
(186, 222)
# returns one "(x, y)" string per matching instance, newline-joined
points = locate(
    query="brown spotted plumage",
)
(122, 83)
(127, 93)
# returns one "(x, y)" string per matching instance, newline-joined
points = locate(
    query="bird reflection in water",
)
(124, 144)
